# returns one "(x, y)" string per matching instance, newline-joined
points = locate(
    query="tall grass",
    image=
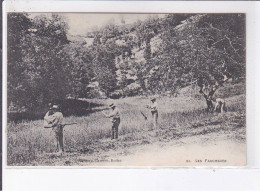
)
(28, 140)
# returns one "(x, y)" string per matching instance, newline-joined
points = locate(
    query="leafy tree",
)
(104, 68)
(122, 79)
(203, 49)
(195, 48)
(18, 29)
(79, 65)
(216, 47)
(39, 75)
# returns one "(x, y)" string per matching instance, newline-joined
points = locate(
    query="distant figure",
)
(214, 105)
(220, 105)
(154, 110)
(115, 118)
(54, 118)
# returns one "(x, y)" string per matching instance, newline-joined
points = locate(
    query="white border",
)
(147, 178)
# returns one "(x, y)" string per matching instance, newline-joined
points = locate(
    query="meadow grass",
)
(27, 140)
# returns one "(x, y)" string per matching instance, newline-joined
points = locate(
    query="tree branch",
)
(230, 42)
(218, 41)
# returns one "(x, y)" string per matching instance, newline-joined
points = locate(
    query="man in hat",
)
(154, 110)
(57, 126)
(115, 118)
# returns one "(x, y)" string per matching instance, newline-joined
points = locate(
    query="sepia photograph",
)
(126, 89)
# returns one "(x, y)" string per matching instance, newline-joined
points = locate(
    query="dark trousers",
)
(115, 125)
(59, 137)
(155, 118)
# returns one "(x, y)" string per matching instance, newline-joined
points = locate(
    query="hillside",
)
(156, 56)
(134, 47)
(143, 60)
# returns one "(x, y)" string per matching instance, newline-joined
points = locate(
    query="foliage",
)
(79, 65)
(202, 50)
(104, 66)
(18, 26)
(193, 49)
(36, 66)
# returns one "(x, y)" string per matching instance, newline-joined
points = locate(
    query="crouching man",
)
(115, 119)
(220, 105)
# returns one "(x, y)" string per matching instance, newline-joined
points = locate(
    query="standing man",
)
(154, 110)
(115, 118)
(57, 127)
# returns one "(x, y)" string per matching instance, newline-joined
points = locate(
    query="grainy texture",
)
(185, 129)
(191, 66)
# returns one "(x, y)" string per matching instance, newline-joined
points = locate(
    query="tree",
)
(216, 45)
(18, 29)
(79, 65)
(104, 68)
(37, 68)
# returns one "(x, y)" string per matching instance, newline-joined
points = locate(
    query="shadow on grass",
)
(69, 107)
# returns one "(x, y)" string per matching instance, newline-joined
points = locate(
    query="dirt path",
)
(215, 141)
(188, 152)
(212, 149)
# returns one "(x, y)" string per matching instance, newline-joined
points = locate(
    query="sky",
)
(81, 23)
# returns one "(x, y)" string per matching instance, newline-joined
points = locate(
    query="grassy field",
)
(29, 144)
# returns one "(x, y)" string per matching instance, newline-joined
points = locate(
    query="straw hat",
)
(55, 107)
(112, 105)
(153, 98)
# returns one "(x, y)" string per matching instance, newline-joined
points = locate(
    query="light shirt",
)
(114, 114)
(58, 119)
(154, 106)
(48, 119)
